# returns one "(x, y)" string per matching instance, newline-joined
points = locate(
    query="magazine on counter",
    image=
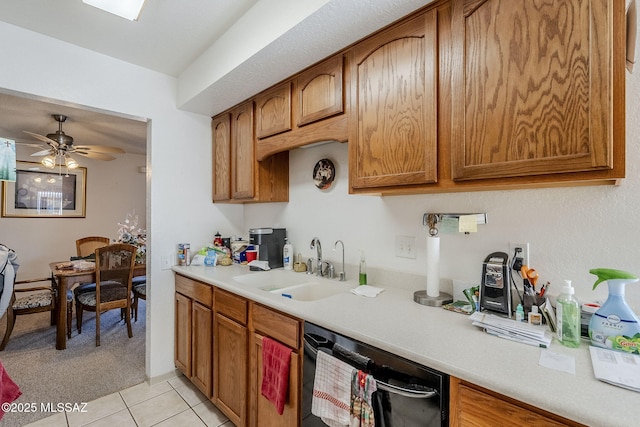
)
(616, 367)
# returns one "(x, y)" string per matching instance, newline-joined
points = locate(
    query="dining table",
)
(65, 279)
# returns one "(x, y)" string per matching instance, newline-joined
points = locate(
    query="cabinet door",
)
(472, 407)
(532, 87)
(242, 152)
(394, 115)
(273, 111)
(221, 130)
(230, 369)
(183, 334)
(202, 335)
(319, 91)
(262, 412)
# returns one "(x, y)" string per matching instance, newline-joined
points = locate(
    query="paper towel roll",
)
(433, 266)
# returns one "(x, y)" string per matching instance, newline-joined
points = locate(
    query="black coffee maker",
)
(269, 243)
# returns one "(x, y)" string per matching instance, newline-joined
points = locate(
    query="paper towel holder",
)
(431, 221)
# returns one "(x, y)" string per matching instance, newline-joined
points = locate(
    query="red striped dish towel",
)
(332, 390)
(275, 372)
(9, 391)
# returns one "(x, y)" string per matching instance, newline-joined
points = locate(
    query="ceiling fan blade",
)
(42, 138)
(93, 155)
(29, 144)
(42, 153)
(99, 149)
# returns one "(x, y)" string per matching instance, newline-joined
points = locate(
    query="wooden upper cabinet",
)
(319, 91)
(242, 151)
(394, 126)
(273, 111)
(532, 87)
(221, 130)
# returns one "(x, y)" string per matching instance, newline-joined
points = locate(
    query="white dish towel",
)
(332, 390)
(367, 291)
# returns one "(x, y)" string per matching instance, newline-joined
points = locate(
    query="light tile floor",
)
(175, 403)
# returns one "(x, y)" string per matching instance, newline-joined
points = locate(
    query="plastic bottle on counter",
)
(287, 255)
(568, 316)
(362, 278)
(519, 313)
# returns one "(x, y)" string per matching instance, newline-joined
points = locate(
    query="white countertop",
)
(447, 341)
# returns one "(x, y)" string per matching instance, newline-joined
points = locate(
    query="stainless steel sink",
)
(313, 291)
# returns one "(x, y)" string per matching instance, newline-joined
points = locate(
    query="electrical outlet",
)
(406, 247)
(524, 253)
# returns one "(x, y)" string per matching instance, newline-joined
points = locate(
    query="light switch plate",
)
(406, 247)
(166, 262)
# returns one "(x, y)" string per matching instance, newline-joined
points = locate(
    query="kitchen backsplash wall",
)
(569, 230)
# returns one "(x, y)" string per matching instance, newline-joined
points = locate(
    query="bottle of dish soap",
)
(362, 278)
(287, 255)
(568, 315)
(615, 325)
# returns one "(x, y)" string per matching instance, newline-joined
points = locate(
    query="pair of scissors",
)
(530, 276)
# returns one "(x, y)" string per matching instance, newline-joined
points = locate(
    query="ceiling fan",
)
(61, 145)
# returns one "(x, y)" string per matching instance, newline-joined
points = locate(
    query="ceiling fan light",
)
(49, 162)
(70, 163)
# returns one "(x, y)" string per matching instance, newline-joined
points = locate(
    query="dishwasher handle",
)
(425, 393)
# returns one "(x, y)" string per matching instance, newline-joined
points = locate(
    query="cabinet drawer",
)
(195, 290)
(276, 325)
(232, 306)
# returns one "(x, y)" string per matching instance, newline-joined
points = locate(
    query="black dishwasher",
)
(408, 395)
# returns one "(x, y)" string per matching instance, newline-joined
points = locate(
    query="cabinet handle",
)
(631, 35)
(426, 393)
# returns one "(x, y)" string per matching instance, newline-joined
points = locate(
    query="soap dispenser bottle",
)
(287, 255)
(568, 316)
(615, 325)
(362, 278)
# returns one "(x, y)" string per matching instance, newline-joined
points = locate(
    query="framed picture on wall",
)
(40, 192)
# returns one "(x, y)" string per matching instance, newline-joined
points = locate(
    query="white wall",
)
(570, 230)
(178, 157)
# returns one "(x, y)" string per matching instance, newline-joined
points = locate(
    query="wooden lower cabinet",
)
(218, 346)
(201, 351)
(182, 354)
(471, 405)
(287, 330)
(262, 412)
(230, 366)
(193, 329)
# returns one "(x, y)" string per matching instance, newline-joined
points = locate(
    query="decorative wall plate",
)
(324, 172)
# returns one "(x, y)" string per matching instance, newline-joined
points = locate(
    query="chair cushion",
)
(141, 289)
(139, 280)
(40, 299)
(106, 295)
(91, 287)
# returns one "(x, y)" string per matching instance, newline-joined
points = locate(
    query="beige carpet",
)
(82, 372)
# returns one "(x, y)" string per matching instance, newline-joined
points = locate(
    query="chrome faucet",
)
(341, 274)
(315, 243)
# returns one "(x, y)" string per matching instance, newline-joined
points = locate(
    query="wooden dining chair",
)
(88, 245)
(139, 289)
(114, 271)
(84, 247)
(38, 299)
